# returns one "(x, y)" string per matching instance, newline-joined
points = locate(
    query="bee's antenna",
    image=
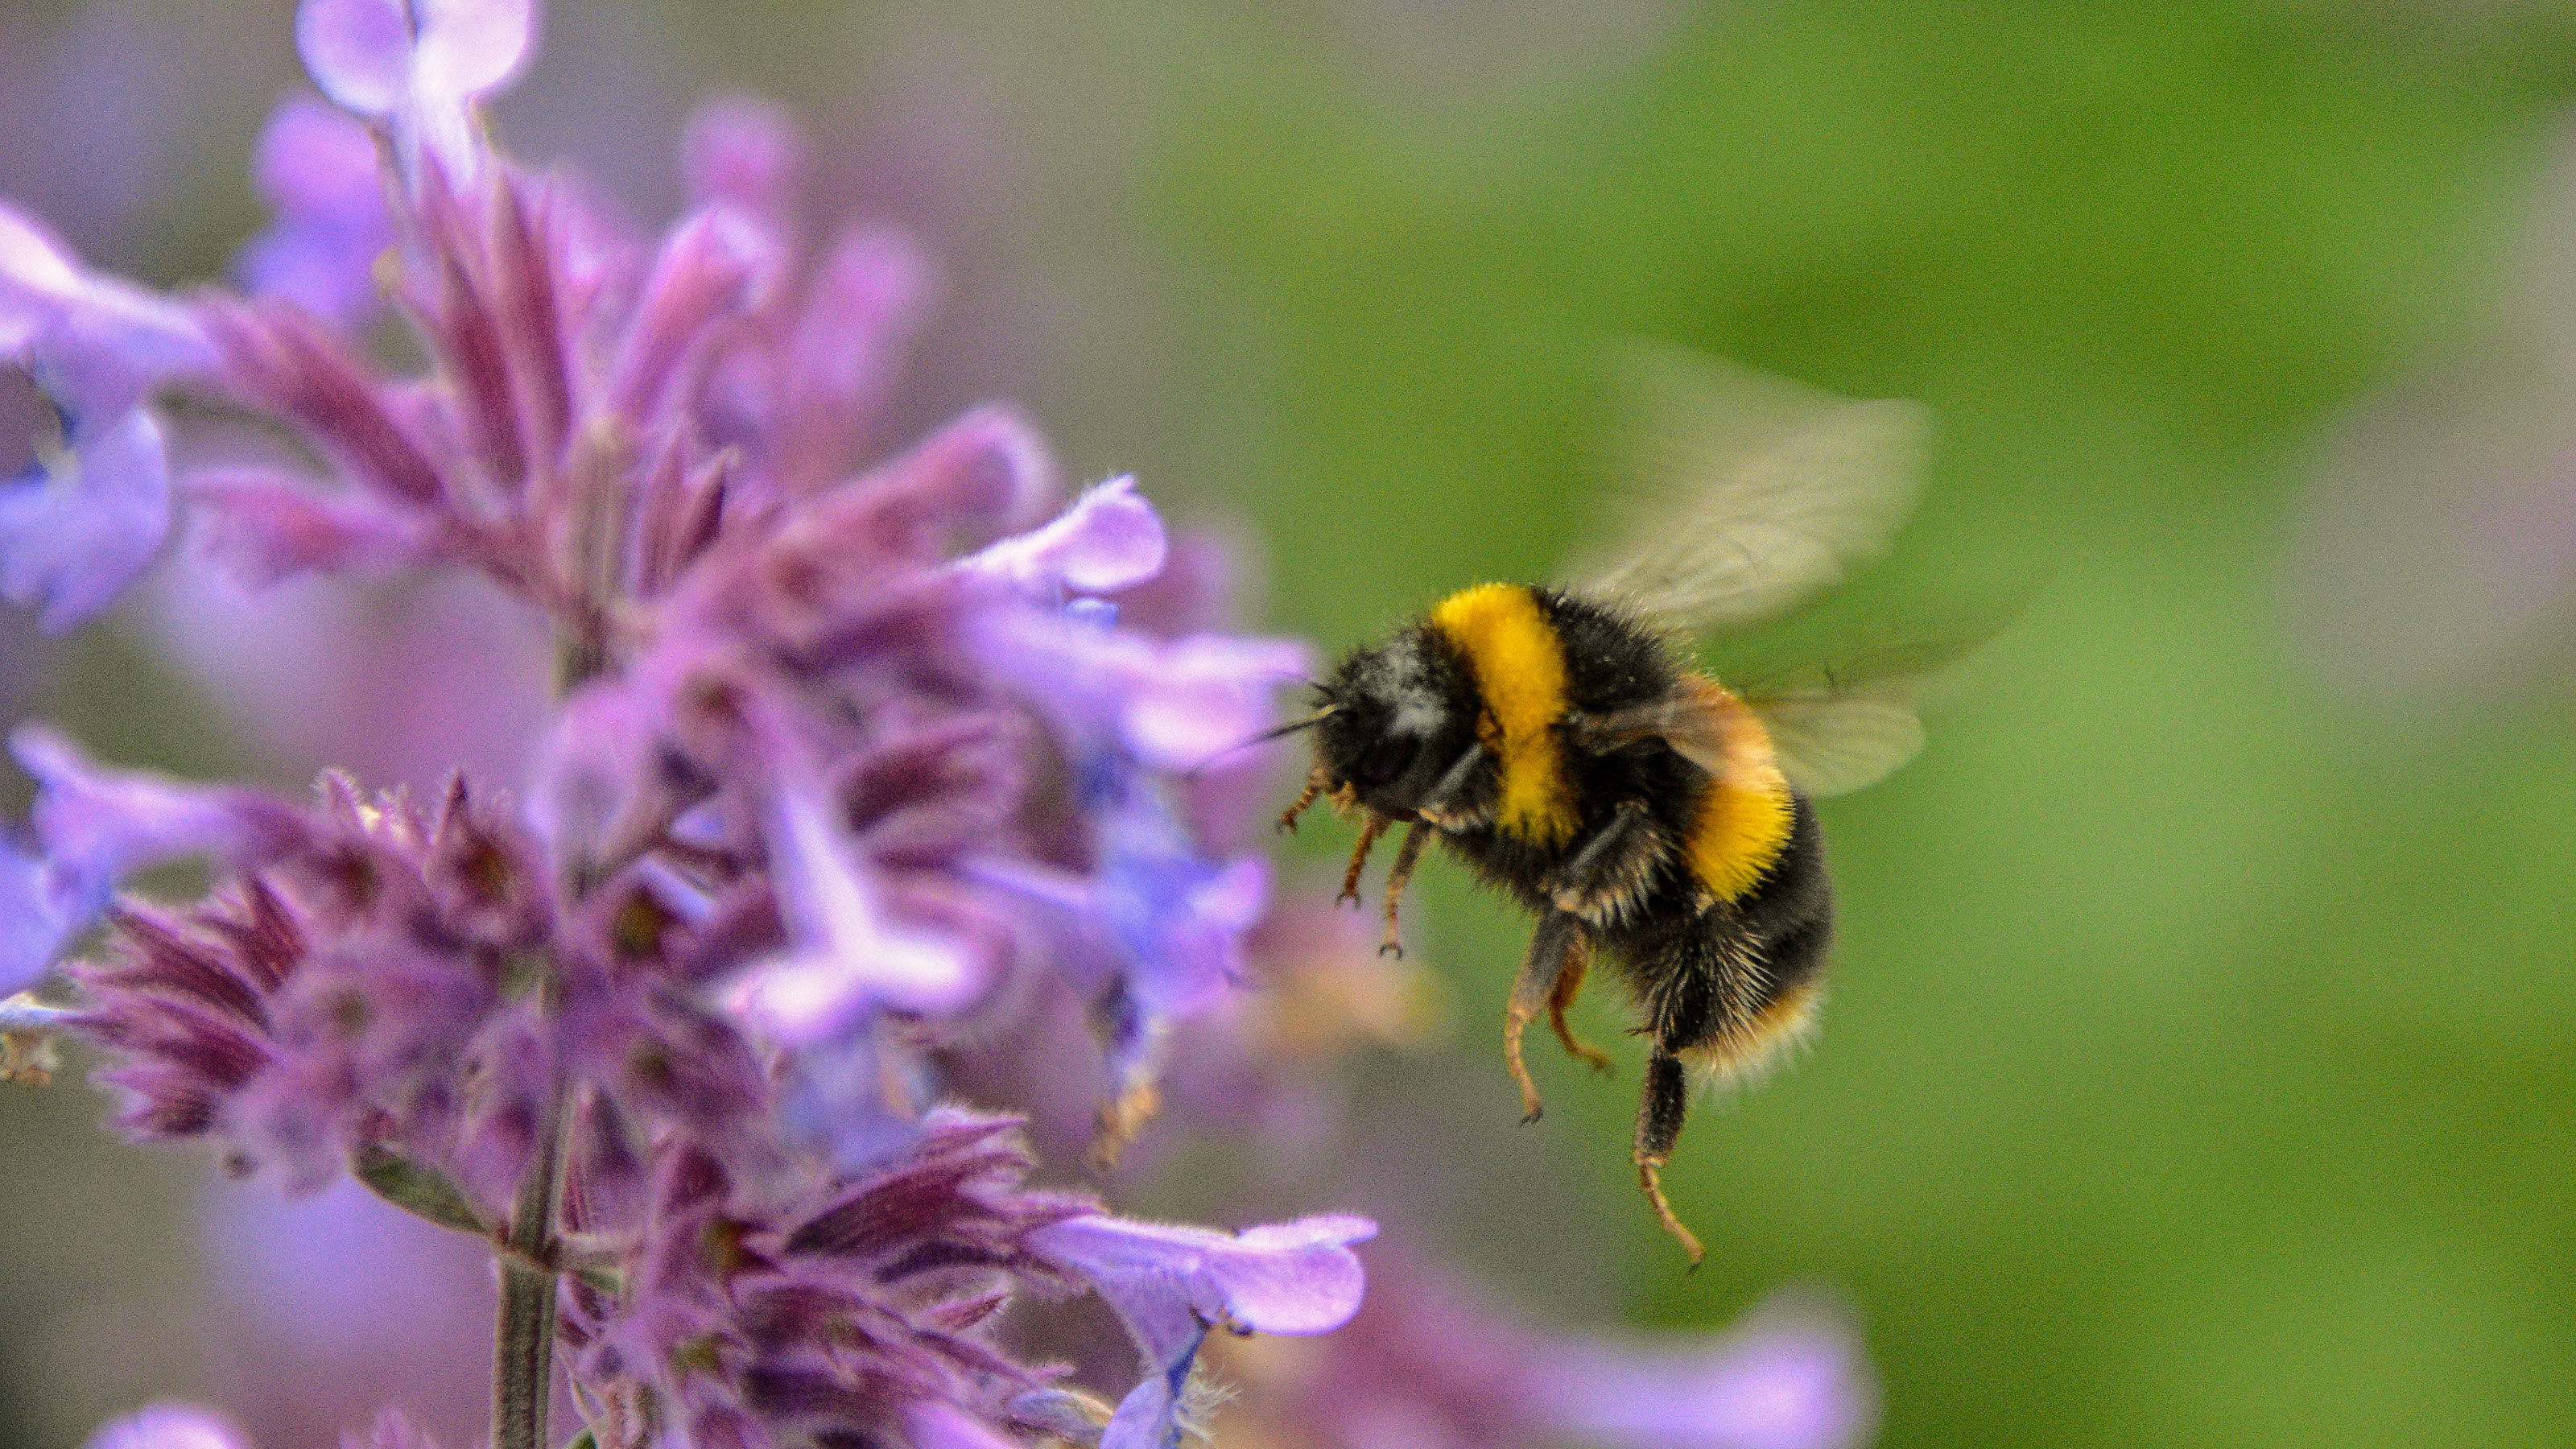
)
(1277, 732)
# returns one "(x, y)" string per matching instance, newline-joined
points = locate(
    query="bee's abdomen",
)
(1733, 984)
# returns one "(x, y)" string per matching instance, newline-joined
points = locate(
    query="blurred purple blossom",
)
(317, 169)
(91, 508)
(1430, 1364)
(169, 1426)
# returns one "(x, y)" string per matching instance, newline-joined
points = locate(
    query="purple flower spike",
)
(168, 1426)
(318, 169)
(1171, 1285)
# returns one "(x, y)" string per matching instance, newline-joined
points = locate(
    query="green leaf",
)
(423, 1192)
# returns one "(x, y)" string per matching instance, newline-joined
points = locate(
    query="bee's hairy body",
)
(1494, 723)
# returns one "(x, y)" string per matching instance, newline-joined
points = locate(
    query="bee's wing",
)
(1757, 492)
(1833, 744)
(1831, 736)
(1841, 729)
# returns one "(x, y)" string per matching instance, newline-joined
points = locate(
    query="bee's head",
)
(1393, 718)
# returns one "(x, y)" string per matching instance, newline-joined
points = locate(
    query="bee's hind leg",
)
(1659, 1126)
(1559, 943)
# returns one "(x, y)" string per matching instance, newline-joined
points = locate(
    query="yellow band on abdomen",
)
(1519, 664)
(1738, 830)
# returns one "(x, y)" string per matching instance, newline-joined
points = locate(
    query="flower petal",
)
(1108, 540)
(74, 534)
(1169, 1284)
(101, 825)
(318, 168)
(471, 47)
(270, 526)
(358, 51)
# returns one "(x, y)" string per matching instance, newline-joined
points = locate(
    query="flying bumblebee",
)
(1558, 740)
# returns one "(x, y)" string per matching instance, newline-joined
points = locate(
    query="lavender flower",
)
(665, 1032)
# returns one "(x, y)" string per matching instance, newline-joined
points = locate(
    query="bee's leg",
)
(1613, 867)
(1659, 1126)
(1317, 782)
(1559, 939)
(1372, 825)
(1569, 984)
(1447, 801)
(1407, 856)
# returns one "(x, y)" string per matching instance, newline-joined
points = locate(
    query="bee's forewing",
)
(1750, 493)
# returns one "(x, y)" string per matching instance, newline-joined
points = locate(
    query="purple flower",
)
(419, 64)
(94, 827)
(848, 955)
(91, 510)
(168, 1426)
(317, 168)
(1172, 1285)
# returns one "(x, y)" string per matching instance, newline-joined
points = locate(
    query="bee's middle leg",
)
(1569, 984)
(1559, 942)
(1372, 825)
(1613, 868)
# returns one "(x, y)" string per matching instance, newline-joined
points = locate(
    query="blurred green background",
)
(2201, 1057)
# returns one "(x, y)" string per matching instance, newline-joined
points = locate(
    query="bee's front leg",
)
(1605, 878)
(1559, 947)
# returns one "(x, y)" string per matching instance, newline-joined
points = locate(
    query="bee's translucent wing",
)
(1756, 492)
(1833, 744)
(1841, 729)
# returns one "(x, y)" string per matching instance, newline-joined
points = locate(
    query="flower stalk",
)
(523, 1341)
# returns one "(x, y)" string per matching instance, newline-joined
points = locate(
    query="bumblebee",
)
(1559, 741)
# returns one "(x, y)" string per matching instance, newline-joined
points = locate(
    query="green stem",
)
(523, 1344)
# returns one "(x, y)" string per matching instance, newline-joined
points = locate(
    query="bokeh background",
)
(2202, 1055)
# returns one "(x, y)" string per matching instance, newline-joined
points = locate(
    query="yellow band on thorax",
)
(1519, 664)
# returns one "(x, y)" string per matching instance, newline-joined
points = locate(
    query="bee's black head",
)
(1393, 718)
